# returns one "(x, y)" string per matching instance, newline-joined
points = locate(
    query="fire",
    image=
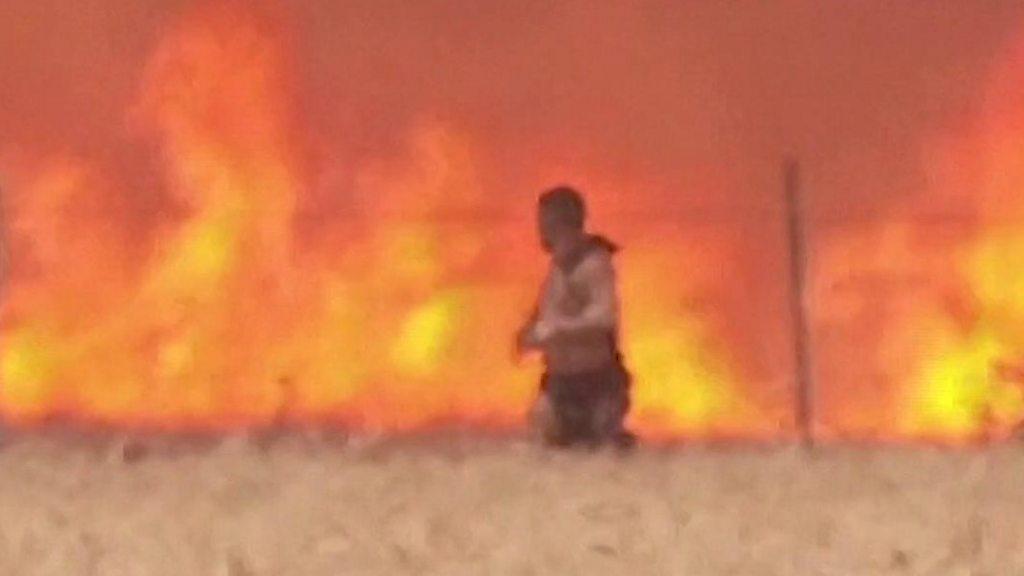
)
(236, 296)
(237, 303)
(940, 303)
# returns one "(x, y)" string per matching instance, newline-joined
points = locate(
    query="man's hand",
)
(524, 341)
(543, 332)
(533, 336)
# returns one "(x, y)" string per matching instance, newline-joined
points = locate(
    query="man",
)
(584, 394)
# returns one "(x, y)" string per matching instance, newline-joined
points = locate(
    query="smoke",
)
(668, 92)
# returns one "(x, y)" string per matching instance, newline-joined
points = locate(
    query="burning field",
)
(236, 217)
(241, 280)
(221, 218)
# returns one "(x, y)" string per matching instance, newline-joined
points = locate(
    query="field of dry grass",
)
(457, 505)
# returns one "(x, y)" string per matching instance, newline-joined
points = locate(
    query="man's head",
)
(561, 214)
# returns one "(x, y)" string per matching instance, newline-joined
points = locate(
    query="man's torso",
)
(566, 294)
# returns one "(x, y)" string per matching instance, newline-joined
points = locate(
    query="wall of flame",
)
(226, 264)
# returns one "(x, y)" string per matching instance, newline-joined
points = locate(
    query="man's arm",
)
(526, 337)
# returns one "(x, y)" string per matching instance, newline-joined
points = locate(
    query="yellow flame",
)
(387, 317)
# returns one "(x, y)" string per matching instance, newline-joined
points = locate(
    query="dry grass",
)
(476, 506)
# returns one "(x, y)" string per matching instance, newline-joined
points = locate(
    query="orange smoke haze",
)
(222, 214)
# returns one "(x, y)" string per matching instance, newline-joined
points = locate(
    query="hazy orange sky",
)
(662, 90)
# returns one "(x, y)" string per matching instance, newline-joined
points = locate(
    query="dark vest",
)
(569, 262)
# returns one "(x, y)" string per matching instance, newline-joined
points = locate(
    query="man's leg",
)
(545, 425)
(610, 413)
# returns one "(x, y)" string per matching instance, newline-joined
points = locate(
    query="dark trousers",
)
(588, 407)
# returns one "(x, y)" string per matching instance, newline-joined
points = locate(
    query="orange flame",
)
(939, 303)
(240, 307)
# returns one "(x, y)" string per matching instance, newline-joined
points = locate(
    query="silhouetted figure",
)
(584, 394)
